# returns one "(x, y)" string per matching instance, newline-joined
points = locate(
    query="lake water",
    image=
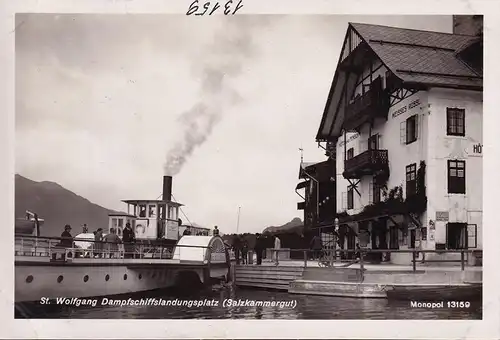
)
(302, 307)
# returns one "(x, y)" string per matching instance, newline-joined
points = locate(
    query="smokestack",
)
(167, 188)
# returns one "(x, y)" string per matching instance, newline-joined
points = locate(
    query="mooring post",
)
(462, 260)
(414, 260)
(361, 265)
(305, 258)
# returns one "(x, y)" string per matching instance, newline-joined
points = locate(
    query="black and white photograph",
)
(243, 166)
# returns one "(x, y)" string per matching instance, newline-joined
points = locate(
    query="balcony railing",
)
(369, 162)
(372, 104)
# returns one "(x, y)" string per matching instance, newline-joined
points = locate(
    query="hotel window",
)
(456, 177)
(409, 130)
(376, 187)
(350, 153)
(456, 236)
(373, 142)
(350, 197)
(423, 233)
(455, 122)
(411, 179)
(393, 237)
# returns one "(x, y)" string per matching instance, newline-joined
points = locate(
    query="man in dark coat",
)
(66, 238)
(128, 239)
(259, 248)
(316, 246)
(66, 241)
(244, 252)
(237, 248)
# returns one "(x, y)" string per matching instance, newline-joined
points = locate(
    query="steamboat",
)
(160, 257)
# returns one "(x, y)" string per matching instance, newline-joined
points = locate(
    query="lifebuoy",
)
(140, 226)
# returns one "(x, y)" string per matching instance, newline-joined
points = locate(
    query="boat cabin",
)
(150, 219)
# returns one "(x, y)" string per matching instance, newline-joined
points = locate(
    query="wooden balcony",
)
(370, 162)
(373, 104)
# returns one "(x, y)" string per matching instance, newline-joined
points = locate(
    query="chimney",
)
(468, 24)
(167, 188)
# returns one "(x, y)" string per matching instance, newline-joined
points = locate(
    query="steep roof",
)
(418, 58)
(422, 57)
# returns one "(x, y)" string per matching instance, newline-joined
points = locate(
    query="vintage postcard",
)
(215, 163)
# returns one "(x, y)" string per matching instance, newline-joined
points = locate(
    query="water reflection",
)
(307, 307)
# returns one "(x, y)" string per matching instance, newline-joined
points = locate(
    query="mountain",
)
(57, 206)
(294, 224)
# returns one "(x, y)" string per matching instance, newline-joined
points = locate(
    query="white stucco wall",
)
(432, 146)
(462, 207)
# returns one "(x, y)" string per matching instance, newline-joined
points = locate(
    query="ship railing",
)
(51, 247)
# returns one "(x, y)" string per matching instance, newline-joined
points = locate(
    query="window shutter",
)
(402, 132)
(472, 236)
(370, 191)
(344, 201)
(416, 126)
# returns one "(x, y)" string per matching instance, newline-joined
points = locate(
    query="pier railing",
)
(57, 248)
(361, 257)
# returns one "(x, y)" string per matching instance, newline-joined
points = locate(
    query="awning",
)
(301, 185)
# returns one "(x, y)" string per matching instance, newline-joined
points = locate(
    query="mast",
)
(238, 222)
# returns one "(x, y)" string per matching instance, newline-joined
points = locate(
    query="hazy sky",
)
(99, 100)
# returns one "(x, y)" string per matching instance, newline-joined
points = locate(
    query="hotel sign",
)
(350, 139)
(405, 108)
(442, 216)
(477, 148)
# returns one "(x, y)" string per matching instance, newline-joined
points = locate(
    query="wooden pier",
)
(362, 280)
(273, 277)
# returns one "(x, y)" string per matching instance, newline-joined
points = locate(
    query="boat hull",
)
(49, 281)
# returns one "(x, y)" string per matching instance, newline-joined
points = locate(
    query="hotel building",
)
(403, 121)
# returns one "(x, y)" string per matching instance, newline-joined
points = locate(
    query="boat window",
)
(120, 222)
(170, 213)
(176, 213)
(162, 211)
(114, 223)
(142, 210)
(152, 211)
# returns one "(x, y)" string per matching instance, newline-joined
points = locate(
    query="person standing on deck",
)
(66, 241)
(316, 246)
(98, 243)
(112, 240)
(277, 247)
(244, 252)
(216, 231)
(128, 241)
(259, 248)
(237, 248)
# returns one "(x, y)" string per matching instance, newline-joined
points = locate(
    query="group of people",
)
(104, 244)
(241, 247)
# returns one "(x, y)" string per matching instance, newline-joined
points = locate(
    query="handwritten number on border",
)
(211, 7)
